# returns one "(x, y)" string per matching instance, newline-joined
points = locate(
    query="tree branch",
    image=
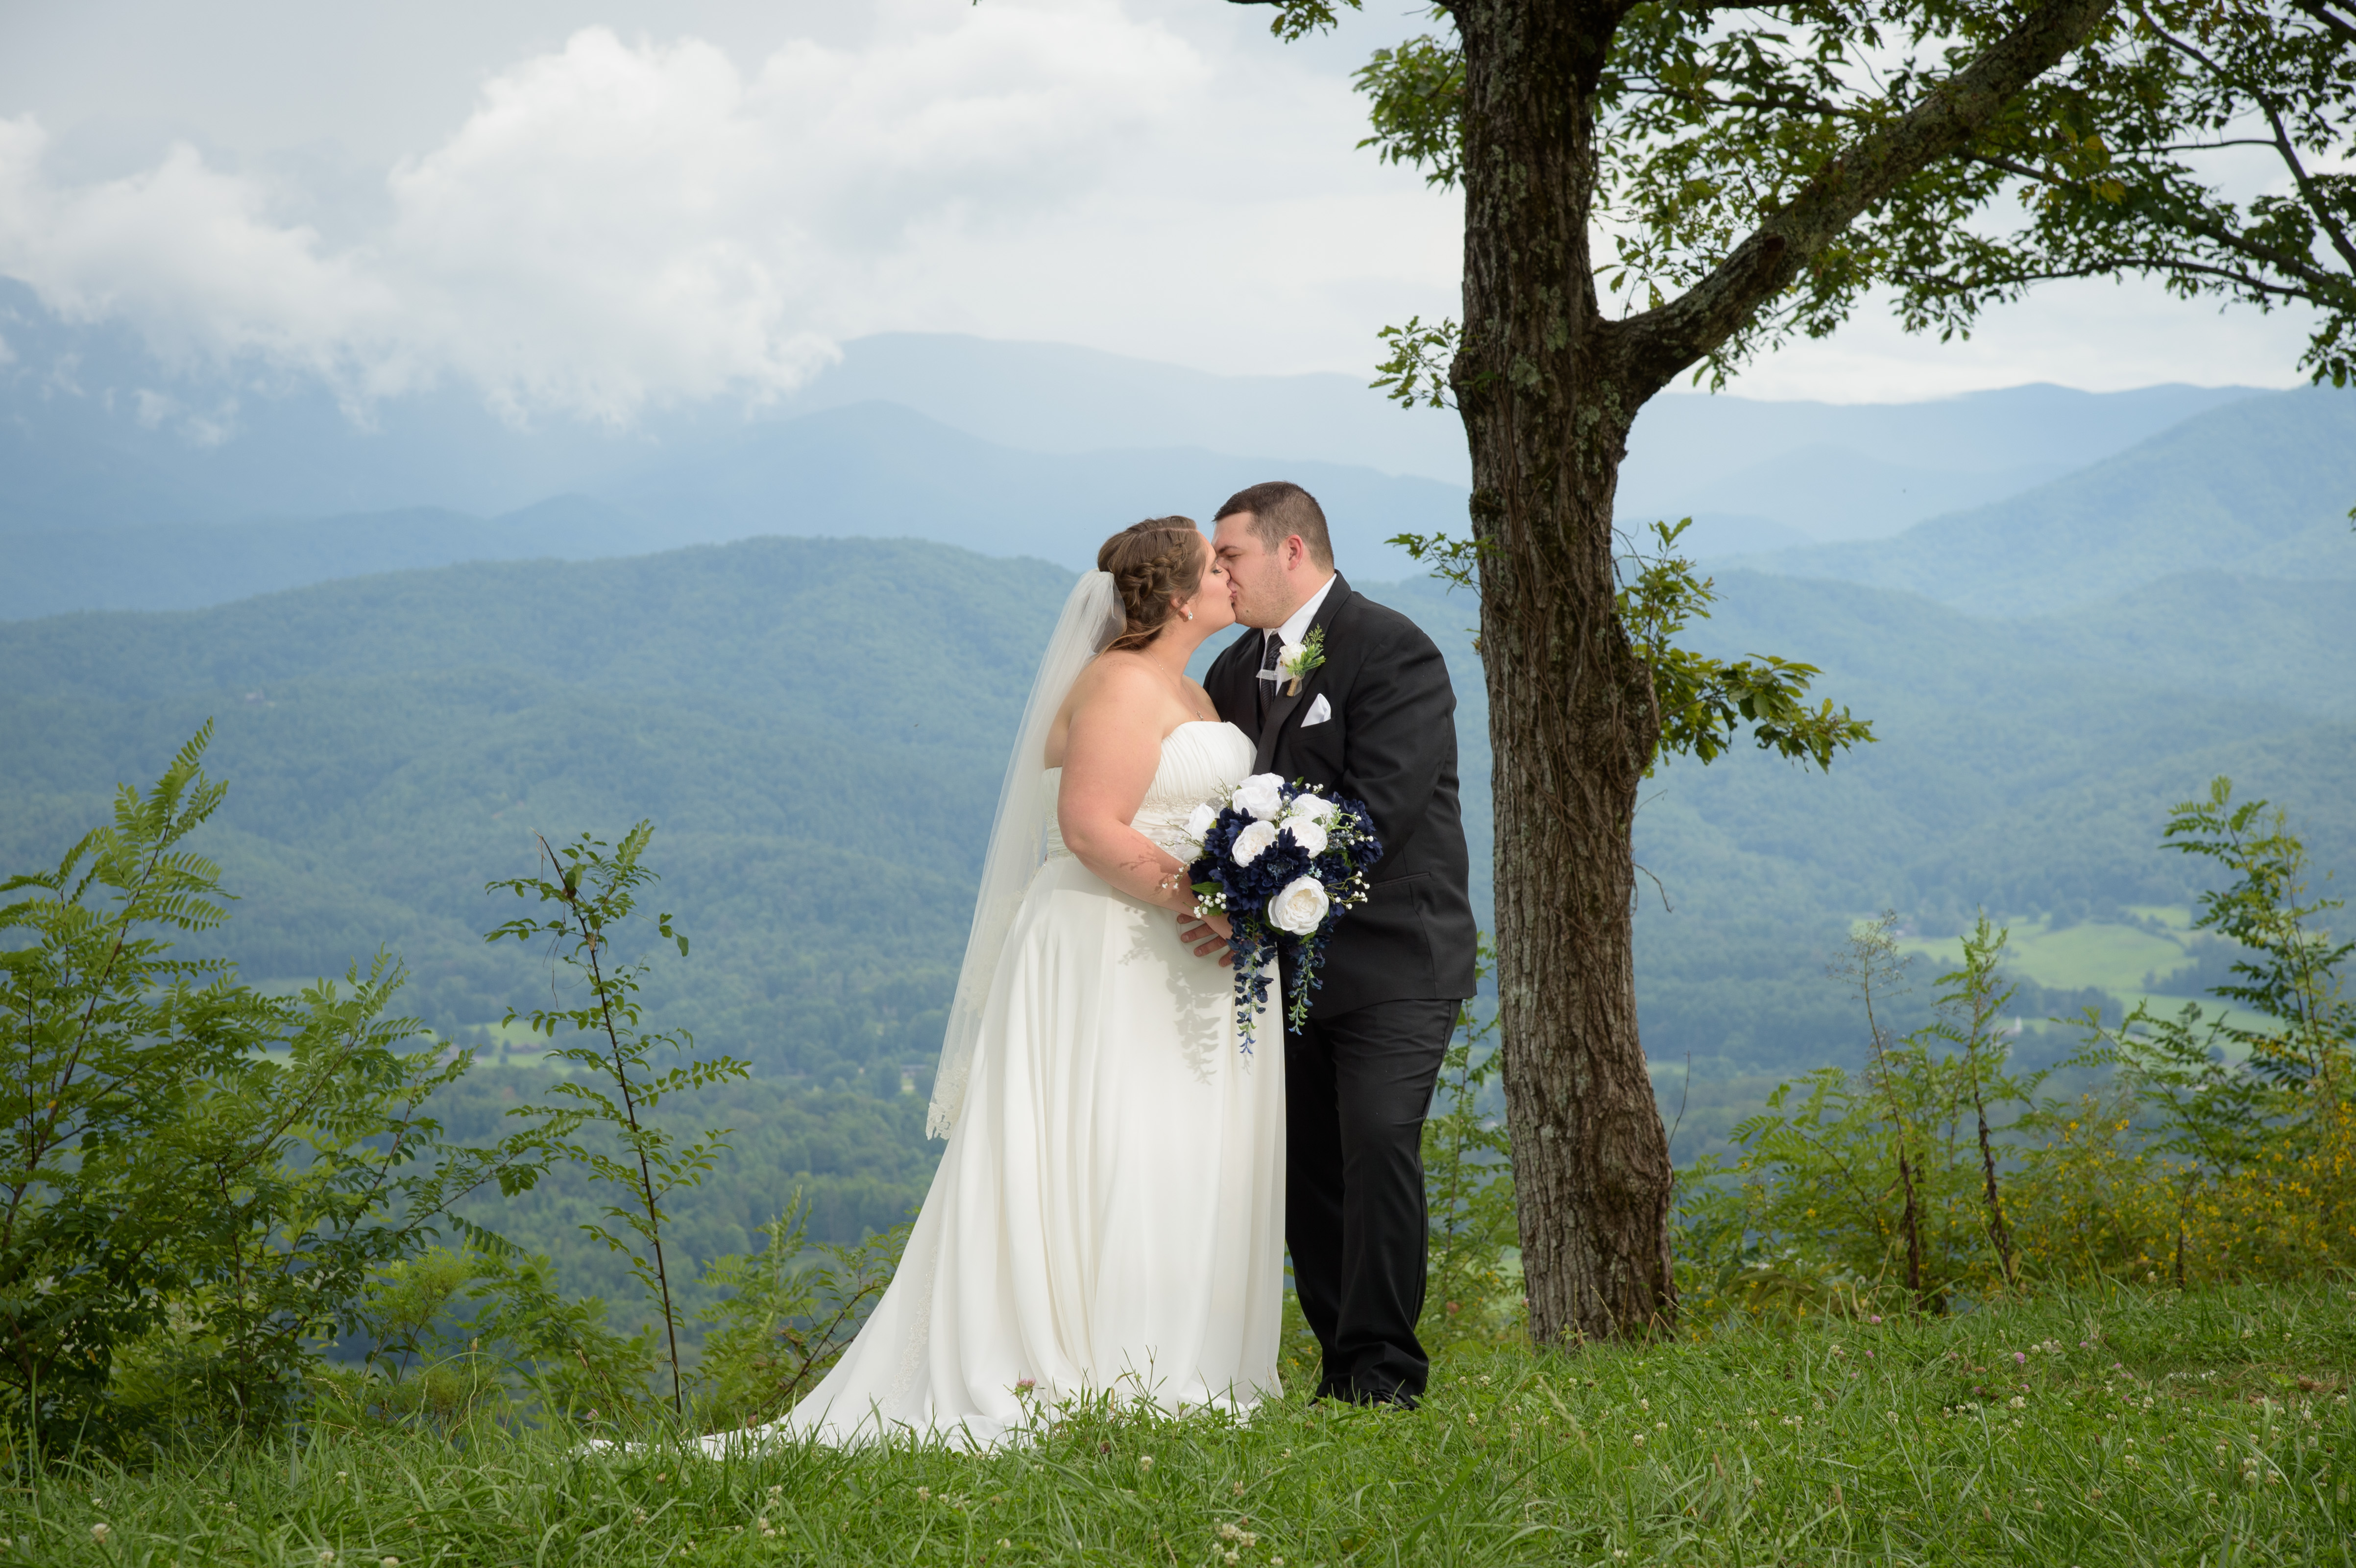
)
(2338, 26)
(1660, 343)
(2293, 264)
(2316, 204)
(2318, 207)
(2134, 261)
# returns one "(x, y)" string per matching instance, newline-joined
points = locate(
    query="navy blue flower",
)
(1282, 862)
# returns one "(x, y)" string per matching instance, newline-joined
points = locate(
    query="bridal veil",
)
(1092, 618)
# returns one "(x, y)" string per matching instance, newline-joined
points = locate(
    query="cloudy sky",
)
(589, 207)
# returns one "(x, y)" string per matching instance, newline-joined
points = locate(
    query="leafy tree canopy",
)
(1711, 117)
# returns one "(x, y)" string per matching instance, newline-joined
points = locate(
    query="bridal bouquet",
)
(1280, 861)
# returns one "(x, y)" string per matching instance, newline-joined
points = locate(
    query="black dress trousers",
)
(1357, 1087)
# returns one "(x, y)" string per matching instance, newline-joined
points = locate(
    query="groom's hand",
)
(1206, 933)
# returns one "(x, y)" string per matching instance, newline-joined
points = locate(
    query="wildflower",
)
(2018, 1402)
(99, 1532)
(326, 1555)
(1004, 1544)
(2020, 1359)
(388, 1563)
(1145, 1462)
(924, 1494)
(1638, 1440)
(1024, 1385)
(343, 1474)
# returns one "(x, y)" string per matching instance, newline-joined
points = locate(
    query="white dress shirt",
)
(1296, 629)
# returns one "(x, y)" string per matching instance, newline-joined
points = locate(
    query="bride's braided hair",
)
(1152, 564)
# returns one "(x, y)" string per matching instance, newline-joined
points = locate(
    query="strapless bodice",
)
(1198, 760)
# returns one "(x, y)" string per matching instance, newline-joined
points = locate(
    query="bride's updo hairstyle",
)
(1151, 564)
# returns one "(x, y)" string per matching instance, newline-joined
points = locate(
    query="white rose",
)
(1301, 907)
(1263, 795)
(1199, 825)
(1306, 832)
(1316, 807)
(1255, 837)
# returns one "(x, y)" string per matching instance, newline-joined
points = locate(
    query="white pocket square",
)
(1319, 711)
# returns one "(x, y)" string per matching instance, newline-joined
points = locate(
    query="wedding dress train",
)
(1108, 1216)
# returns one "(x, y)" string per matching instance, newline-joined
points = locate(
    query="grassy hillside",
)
(2261, 486)
(2128, 1427)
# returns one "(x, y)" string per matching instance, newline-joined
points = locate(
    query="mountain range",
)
(424, 633)
(137, 484)
(2262, 487)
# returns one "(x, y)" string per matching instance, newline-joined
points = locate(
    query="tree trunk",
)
(1572, 721)
(1549, 388)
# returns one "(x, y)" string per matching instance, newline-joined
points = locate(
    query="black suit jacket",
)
(1391, 743)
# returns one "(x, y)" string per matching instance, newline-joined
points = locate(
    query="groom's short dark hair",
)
(1281, 509)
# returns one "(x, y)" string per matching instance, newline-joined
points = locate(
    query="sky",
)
(596, 207)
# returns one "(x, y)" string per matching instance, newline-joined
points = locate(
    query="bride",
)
(1108, 1217)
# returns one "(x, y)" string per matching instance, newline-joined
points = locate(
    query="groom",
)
(1374, 721)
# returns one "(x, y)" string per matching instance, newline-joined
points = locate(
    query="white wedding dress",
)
(1108, 1217)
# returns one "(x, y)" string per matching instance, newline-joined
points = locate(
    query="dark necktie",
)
(1271, 650)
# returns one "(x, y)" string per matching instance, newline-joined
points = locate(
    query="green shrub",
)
(2218, 1148)
(196, 1179)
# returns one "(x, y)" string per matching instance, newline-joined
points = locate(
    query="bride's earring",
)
(1190, 614)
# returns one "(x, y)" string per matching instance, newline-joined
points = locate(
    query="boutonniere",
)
(1302, 657)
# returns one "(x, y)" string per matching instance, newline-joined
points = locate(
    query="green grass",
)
(2121, 1427)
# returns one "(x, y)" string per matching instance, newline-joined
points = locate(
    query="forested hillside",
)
(817, 728)
(2262, 487)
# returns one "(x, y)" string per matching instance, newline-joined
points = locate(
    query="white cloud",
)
(620, 222)
(186, 252)
(623, 219)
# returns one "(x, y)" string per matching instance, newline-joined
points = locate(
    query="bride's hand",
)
(1206, 933)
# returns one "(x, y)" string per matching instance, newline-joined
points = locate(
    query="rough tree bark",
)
(1548, 387)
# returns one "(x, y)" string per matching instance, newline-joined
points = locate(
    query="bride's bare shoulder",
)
(1117, 677)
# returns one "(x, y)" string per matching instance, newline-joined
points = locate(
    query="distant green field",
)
(2160, 959)
(2116, 958)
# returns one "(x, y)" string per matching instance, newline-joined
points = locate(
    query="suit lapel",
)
(1221, 682)
(1280, 710)
(1277, 712)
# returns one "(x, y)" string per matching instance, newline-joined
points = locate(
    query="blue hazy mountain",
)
(867, 470)
(97, 433)
(2261, 487)
(1757, 476)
